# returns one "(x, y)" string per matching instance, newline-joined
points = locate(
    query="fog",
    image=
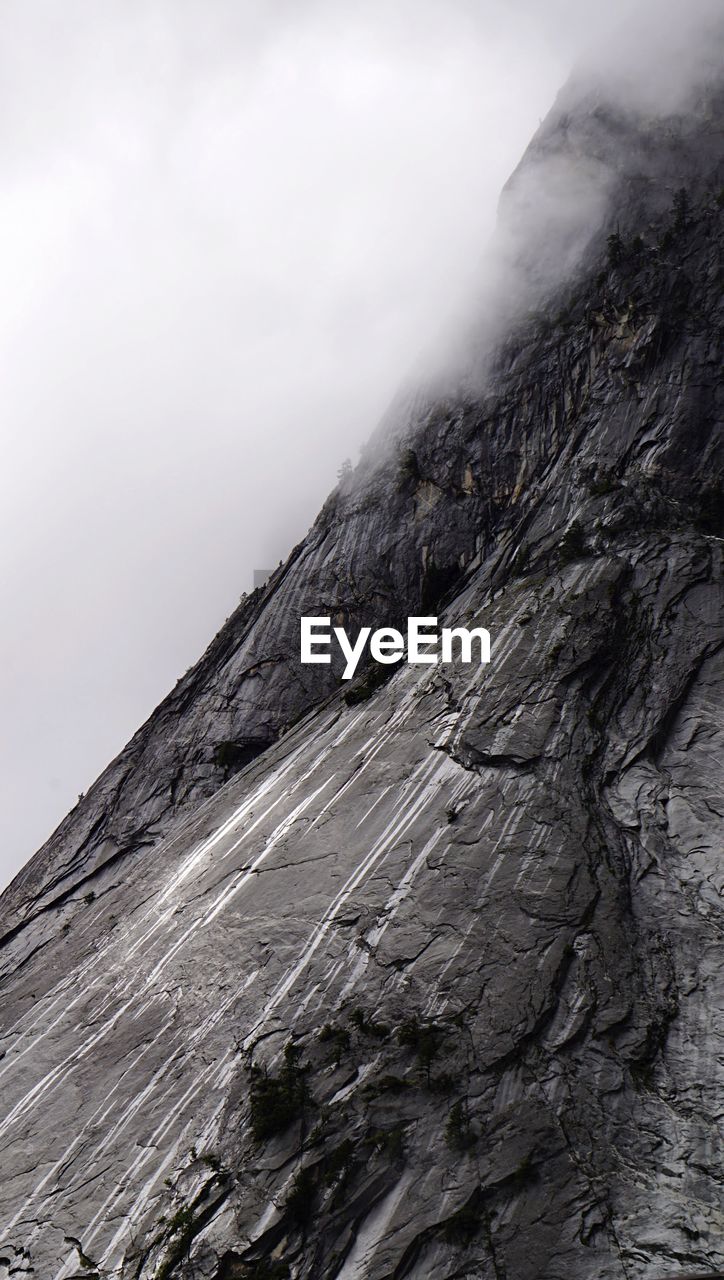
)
(229, 229)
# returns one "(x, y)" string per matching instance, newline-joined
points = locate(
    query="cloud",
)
(229, 228)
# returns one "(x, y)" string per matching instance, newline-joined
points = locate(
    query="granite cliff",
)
(423, 977)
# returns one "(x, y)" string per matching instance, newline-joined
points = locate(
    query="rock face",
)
(425, 979)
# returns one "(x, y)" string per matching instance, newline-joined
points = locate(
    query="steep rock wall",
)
(432, 987)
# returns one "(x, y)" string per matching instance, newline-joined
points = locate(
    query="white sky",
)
(228, 229)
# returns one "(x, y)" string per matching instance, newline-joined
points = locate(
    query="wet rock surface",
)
(431, 984)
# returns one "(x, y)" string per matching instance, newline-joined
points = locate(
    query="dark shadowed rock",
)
(428, 985)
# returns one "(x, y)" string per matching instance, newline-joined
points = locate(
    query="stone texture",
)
(432, 986)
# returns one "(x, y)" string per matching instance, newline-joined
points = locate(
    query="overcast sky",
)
(229, 227)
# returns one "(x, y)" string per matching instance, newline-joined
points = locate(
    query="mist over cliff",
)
(231, 232)
(419, 975)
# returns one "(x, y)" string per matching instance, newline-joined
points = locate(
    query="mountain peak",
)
(401, 976)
